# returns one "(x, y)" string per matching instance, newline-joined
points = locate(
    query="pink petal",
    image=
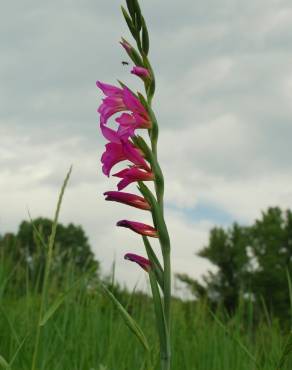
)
(113, 154)
(109, 89)
(109, 134)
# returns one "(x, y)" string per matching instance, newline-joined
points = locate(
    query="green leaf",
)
(3, 363)
(290, 288)
(130, 322)
(143, 100)
(37, 235)
(129, 22)
(157, 216)
(145, 37)
(158, 270)
(138, 22)
(141, 143)
(285, 353)
(159, 314)
(53, 308)
(138, 14)
(134, 55)
(17, 350)
(131, 8)
(236, 340)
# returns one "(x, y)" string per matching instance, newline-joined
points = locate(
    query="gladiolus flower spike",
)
(132, 112)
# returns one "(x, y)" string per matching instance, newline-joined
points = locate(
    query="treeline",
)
(23, 254)
(253, 263)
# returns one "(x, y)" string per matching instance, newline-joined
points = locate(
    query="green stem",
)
(164, 237)
(47, 269)
(165, 246)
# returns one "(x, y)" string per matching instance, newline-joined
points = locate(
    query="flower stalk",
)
(124, 144)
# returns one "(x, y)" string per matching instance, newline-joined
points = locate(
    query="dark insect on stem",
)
(124, 63)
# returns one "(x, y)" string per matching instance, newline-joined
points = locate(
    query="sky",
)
(223, 101)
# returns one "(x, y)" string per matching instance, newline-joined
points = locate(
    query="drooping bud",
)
(132, 200)
(141, 261)
(139, 228)
(141, 72)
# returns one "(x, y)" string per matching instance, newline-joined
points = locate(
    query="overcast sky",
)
(224, 90)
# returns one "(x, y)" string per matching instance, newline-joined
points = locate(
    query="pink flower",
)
(128, 123)
(127, 198)
(113, 102)
(142, 262)
(117, 100)
(133, 103)
(139, 228)
(109, 90)
(110, 105)
(141, 72)
(110, 134)
(116, 152)
(113, 154)
(133, 174)
(134, 155)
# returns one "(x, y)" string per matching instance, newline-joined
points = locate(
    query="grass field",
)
(86, 332)
(67, 323)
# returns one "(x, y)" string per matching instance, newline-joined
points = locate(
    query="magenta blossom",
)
(113, 102)
(109, 90)
(142, 262)
(110, 134)
(133, 174)
(133, 103)
(122, 99)
(139, 228)
(128, 198)
(141, 72)
(117, 152)
(130, 122)
(110, 105)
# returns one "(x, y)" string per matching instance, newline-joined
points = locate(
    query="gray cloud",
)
(224, 89)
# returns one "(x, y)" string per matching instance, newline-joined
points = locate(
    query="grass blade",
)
(240, 344)
(285, 353)
(17, 350)
(3, 363)
(130, 322)
(53, 308)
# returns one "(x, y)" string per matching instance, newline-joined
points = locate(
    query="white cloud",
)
(223, 102)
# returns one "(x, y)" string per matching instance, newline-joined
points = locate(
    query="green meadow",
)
(86, 332)
(55, 315)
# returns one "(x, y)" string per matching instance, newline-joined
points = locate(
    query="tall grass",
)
(70, 325)
(86, 332)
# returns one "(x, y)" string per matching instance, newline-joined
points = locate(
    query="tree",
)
(251, 261)
(226, 250)
(71, 249)
(271, 246)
